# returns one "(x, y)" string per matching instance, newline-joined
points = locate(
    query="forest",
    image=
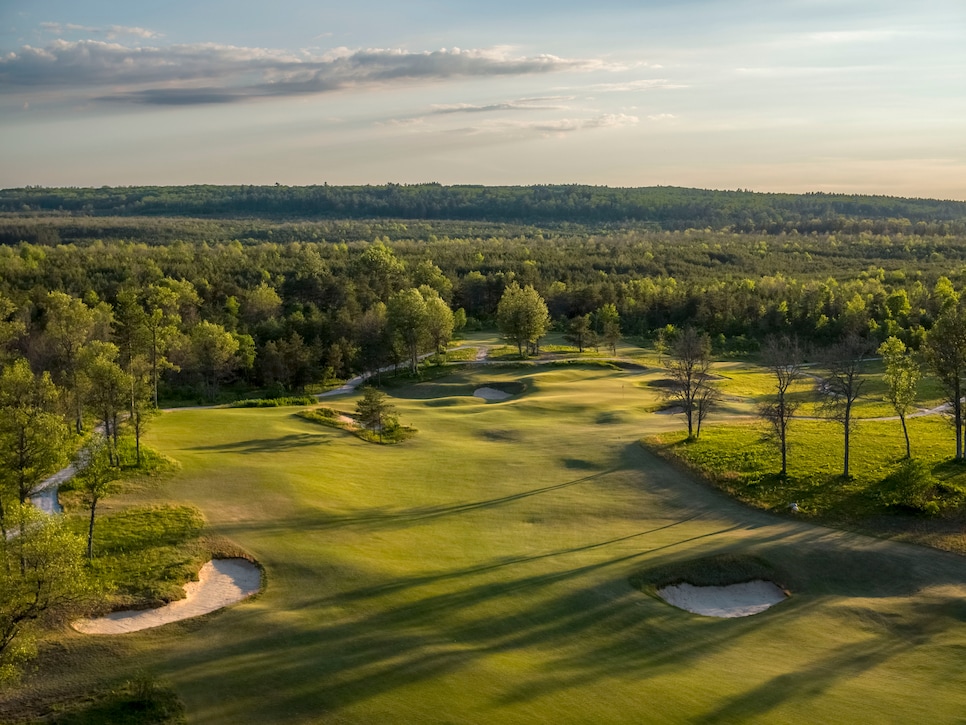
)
(242, 286)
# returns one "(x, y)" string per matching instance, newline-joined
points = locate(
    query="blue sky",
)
(800, 95)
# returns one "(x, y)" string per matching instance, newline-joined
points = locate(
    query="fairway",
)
(478, 572)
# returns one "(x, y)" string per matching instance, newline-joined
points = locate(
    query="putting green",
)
(479, 573)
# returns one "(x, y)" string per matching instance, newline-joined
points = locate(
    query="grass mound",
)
(345, 421)
(139, 701)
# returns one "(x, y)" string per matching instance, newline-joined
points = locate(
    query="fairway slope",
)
(481, 572)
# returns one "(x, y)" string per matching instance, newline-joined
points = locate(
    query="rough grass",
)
(144, 555)
(334, 419)
(140, 701)
(744, 460)
(480, 573)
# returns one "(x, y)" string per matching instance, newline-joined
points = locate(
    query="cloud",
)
(662, 117)
(111, 32)
(558, 127)
(644, 84)
(548, 103)
(210, 73)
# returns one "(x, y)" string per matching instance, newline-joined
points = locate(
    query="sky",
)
(852, 96)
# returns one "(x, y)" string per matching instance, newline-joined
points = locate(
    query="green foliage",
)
(273, 402)
(32, 435)
(911, 487)
(669, 207)
(42, 578)
(522, 316)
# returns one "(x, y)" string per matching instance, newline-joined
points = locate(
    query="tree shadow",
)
(268, 445)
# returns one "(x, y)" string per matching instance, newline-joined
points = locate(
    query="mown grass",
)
(482, 573)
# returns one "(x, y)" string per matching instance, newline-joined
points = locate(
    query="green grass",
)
(482, 573)
(744, 460)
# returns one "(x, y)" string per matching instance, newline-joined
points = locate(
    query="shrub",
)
(910, 487)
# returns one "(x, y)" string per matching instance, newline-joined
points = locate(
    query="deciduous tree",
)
(902, 376)
(42, 576)
(946, 355)
(522, 316)
(783, 357)
(843, 385)
(691, 388)
(406, 312)
(32, 435)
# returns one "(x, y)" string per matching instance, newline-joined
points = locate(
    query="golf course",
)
(481, 571)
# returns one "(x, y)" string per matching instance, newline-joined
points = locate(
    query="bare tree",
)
(783, 357)
(843, 385)
(689, 367)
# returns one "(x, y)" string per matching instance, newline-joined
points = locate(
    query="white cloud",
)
(546, 103)
(112, 32)
(210, 73)
(644, 84)
(557, 127)
(662, 117)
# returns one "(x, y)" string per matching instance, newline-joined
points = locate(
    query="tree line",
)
(839, 375)
(670, 208)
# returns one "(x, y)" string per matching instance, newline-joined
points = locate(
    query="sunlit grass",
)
(481, 572)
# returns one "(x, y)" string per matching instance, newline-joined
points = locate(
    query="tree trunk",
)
(905, 432)
(90, 532)
(783, 435)
(958, 415)
(845, 472)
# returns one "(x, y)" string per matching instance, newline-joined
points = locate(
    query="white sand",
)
(735, 600)
(220, 582)
(490, 394)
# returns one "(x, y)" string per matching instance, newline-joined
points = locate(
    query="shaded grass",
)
(713, 571)
(140, 701)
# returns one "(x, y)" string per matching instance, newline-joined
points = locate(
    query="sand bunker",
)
(735, 600)
(491, 394)
(220, 582)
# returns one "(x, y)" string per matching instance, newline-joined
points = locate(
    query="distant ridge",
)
(663, 207)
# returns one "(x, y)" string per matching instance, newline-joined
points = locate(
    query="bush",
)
(911, 487)
(274, 402)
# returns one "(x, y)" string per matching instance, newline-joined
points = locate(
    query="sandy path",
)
(220, 582)
(735, 600)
